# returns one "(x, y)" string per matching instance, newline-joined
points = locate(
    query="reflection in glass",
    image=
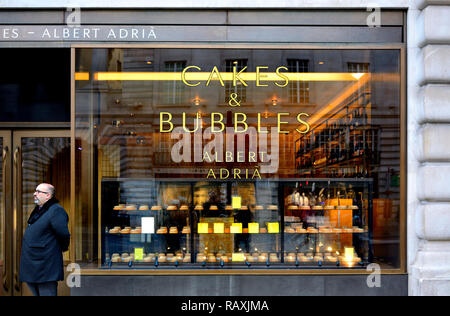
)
(247, 158)
(44, 160)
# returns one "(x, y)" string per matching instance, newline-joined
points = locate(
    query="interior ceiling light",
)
(226, 76)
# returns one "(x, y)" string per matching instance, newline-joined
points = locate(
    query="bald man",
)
(46, 238)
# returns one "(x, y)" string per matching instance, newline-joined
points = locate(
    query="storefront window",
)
(230, 158)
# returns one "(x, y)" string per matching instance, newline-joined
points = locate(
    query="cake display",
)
(143, 208)
(131, 207)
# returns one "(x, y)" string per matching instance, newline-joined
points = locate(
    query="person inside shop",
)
(46, 238)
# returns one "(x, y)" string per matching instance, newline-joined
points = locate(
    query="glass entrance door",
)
(5, 201)
(33, 157)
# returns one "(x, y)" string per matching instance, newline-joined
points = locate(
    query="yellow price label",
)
(138, 253)
(203, 228)
(253, 228)
(273, 228)
(236, 202)
(238, 257)
(219, 228)
(236, 228)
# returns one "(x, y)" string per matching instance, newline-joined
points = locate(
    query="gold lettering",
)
(259, 125)
(237, 121)
(256, 174)
(196, 123)
(308, 127)
(162, 121)
(183, 76)
(221, 173)
(240, 156)
(259, 76)
(282, 76)
(215, 71)
(213, 122)
(252, 156)
(280, 122)
(229, 156)
(236, 76)
(237, 173)
(207, 157)
(211, 174)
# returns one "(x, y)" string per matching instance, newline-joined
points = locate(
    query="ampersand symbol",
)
(233, 102)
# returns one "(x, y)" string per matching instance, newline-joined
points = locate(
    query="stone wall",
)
(430, 266)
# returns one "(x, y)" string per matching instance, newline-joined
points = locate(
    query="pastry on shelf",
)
(114, 230)
(162, 258)
(201, 258)
(136, 231)
(353, 207)
(186, 230)
(289, 230)
(317, 208)
(305, 208)
(172, 208)
(212, 259)
(305, 259)
(213, 208)
(262, 258)
(337, 230)
(291, 257)
(259, 208)
(263, 230)
(300, 230)
(274, 258)
(184, 208)
(143, 208)
(328, 207)
(162, 230)
(343, 207)
(272, 208)
(312, 230)
(173, 230)
(244, 208)
(131, 207)
(156, 208)
(187, 258)
(198, 208)
(228, 208)
(358, 230)
(125, 230)
(331, 259)
(118, 208)
(252, 258)
(293, 207)
(347, 230)
(325, 230)
(318, 258)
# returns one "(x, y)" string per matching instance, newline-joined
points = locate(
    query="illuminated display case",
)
(191, 224)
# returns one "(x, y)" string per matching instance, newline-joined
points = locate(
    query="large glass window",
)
(229, 158)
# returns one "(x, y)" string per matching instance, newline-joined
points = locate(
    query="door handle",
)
(4, 268)
(17, 220)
